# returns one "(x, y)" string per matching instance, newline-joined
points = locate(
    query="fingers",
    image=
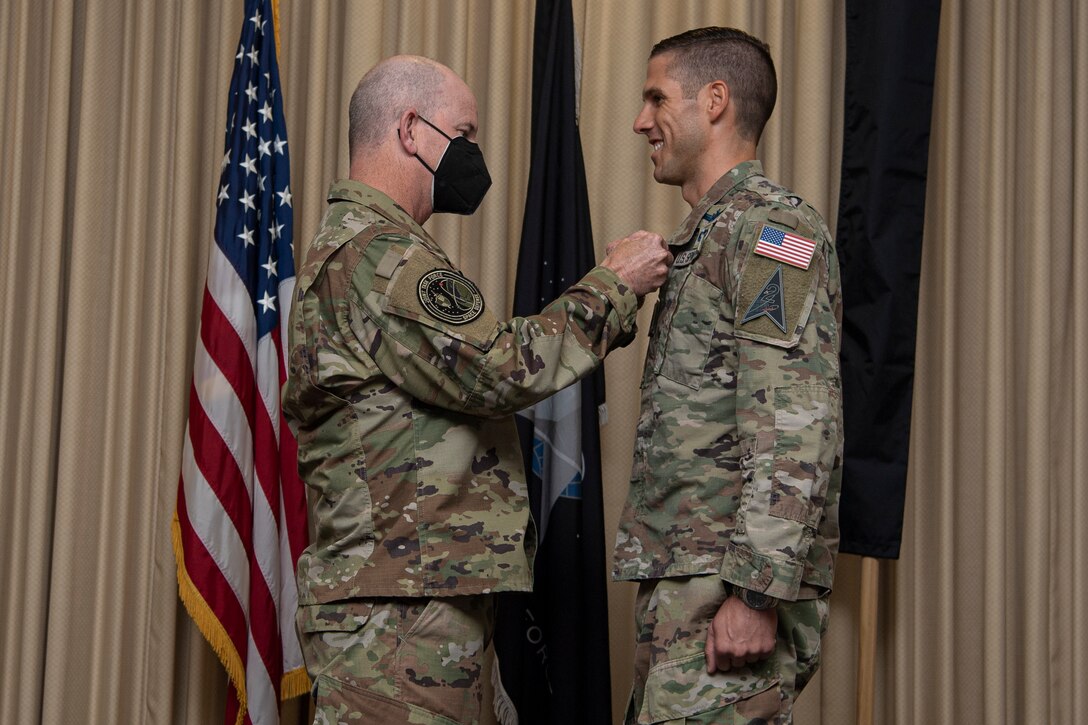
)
(739, 636)
(710, 651)
(642, 261)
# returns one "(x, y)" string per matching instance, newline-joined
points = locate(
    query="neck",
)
(400, 182)
(718, 160)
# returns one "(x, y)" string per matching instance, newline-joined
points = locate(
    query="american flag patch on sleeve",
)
(785, 247)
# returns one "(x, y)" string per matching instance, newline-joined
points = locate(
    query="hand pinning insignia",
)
(685, 258)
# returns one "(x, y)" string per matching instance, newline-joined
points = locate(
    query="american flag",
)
(240, 522)
(785, 247)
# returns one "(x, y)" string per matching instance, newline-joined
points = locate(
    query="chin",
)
(662, 176)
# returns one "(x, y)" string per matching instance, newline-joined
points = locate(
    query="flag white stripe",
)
(286, 299)
(213, 526)
(265, 543)
(224, 412)
(268, 381)
(288, 599)
(232, 297)
(262, 704)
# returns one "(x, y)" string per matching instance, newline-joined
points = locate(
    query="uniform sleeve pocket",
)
(425, 291)
(683, 688)
(806, 421)
(691, 331)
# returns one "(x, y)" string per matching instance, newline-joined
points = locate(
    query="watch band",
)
(754, 600)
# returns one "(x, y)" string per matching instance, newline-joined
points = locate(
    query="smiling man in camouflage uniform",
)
(731, 522)
(401, 387)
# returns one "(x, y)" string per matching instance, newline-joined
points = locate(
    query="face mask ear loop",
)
(436, 128)
(448, 138)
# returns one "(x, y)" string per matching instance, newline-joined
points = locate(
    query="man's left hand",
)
(739, 635)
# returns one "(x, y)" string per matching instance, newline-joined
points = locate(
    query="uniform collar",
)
(356, 192)
(722, 188)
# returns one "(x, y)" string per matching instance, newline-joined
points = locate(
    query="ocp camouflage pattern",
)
(402, 660)
(404, 421)
(671, 682)
(738, 454)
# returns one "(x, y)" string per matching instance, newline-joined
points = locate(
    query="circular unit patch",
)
(449, 297)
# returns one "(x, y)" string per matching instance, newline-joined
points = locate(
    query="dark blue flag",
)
(552, 644)
(891, 52)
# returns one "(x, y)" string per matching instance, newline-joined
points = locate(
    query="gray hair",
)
(384, 93)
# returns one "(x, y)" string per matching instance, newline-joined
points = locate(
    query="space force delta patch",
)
(769, 302)
(449, 297)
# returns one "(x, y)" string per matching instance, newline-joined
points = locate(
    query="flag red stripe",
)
(237, 537)
(264, 624)
(209, 580)
(291, 486)
(228, 352)
(219, 468)
(294, 495)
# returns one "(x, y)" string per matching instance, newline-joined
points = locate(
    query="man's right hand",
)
(641, 260)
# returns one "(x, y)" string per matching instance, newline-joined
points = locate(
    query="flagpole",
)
(870, 586)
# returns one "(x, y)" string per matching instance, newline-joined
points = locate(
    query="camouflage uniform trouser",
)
(394, 661)
(671, 682)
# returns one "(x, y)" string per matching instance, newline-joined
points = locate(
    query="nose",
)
(643, 124)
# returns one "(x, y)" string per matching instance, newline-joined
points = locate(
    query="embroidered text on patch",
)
(785, 247)
(770, 302)
(449, 297)
(685, 258)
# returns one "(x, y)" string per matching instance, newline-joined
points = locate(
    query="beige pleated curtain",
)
(111, 130)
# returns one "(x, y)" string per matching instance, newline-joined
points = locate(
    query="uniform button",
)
(755, 575)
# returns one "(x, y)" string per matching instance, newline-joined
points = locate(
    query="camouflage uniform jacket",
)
(738, 454)
(401, 388)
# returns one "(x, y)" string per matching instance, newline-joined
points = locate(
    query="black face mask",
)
(460, 179)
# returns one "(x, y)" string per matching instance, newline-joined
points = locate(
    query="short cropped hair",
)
(703, 55)
(385, 92)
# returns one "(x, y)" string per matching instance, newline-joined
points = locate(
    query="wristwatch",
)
(754, 600)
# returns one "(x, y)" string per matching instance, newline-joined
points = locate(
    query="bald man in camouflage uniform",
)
(401, 387)
(731, 522)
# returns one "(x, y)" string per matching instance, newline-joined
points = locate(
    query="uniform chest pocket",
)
(691, 332)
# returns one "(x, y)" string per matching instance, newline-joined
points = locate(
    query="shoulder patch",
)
(774, 300)
(769, 302)
(783, 246)
(426, 289)
(450, 297)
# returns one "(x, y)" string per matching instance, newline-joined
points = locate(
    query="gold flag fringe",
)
(208, 624)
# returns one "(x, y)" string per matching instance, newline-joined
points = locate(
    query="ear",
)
(406, 129)
(717, 99)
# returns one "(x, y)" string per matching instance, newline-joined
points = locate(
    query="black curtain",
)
(891, 51)
(553, 644)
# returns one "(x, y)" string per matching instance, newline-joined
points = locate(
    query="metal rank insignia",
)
(449, 297)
